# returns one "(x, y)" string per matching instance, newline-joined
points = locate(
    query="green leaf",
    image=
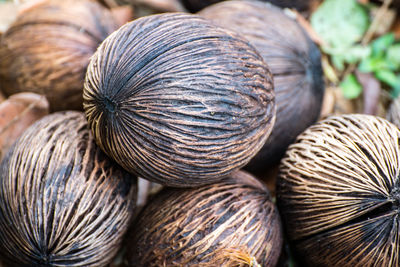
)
(351, 88)
(395, 92)
(388, 77)
(356, 53)
(340, 23)
(380, 45)
(349, 55)
(338, 62)
(372, 64)
(368, 65)
(393, 55)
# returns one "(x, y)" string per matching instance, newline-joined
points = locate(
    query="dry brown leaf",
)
(17, 113)
(384, 25)
(396, 27)
(341, 104)
(2, 96)
(306, 26)
(371, 92)
(123, 14)
(328, 103)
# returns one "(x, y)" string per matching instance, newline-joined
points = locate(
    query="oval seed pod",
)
(301, 5)
(230, 223)
(338, 192)
(177, 100)
(63, 202)
(293, 59)
(47, 50)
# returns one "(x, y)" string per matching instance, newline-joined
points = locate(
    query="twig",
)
(375, 23)
(306, 26)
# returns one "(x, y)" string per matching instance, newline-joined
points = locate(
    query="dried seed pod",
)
(146, 7)
(63, 202)
(301, 5)
(338, 192)
(177, 100)
(393, 112)
(230, 223)
(293, 59)
(47, 50)
(197, 5)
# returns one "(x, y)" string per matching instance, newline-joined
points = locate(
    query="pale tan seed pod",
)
(230, 223)
(177, 100)
(47, 49)
(338, 192)
(63, 202)
(294, 61)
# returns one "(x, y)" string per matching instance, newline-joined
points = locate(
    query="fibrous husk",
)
(47, 49)
(63, 202)
(177, 100)
(230, 223)
(338, 192)
(294, 61)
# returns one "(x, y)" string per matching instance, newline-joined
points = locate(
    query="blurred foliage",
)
(350, 86)
(384, 62)
(341, 24)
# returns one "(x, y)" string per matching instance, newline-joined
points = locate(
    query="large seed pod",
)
(197, 5)
(47, 50)
(338, 192)
(63, 202)
(143, 7)
(293, 59)
(177, 100)
(301, 5)
(230, 223)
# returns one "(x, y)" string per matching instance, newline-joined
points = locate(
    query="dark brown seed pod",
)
(293, 59)
(197, 5)
(47, 50)
(301, 5)
(393, 112)
(230, 223)
(338, 192)
(63, 202)
(177, 100)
